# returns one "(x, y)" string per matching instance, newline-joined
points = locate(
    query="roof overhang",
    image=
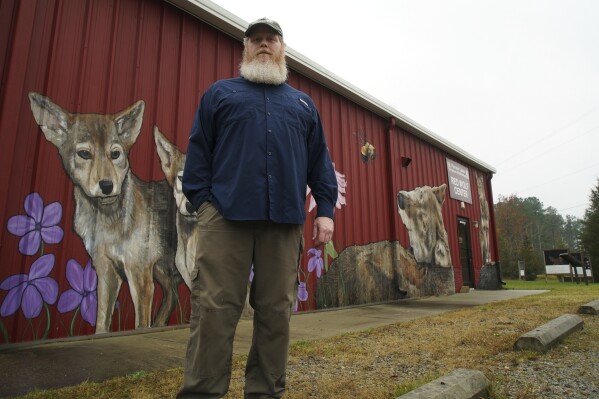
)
(234, 26)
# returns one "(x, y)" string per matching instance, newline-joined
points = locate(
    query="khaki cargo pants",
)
(226, 250)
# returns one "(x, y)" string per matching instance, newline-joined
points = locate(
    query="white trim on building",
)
(234, 26)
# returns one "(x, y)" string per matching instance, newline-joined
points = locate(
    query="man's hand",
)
(323, 230)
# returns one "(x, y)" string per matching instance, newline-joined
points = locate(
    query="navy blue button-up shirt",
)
(252, 150)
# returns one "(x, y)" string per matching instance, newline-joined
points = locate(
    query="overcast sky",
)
(515, 83)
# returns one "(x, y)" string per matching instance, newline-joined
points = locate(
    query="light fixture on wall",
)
(462, 205)
(405, 161)
(475, 223)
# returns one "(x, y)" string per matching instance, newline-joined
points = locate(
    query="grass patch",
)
(408, 386)
(389, 361)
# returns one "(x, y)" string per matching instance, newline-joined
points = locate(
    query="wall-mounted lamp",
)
(475, 223)
(462, 205)
(405, 161)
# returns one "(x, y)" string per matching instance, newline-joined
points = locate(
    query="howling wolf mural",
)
(385, 270)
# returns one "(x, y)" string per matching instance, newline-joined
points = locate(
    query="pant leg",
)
(218, 293)
(274, 289)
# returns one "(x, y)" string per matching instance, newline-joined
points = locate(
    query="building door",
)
(465, 252)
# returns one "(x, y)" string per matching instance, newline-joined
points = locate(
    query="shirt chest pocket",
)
(237, 106)
(298, 115)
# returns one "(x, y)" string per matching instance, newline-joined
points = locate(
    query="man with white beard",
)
(255, 144)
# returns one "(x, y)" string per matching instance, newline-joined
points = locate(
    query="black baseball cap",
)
(274, 25)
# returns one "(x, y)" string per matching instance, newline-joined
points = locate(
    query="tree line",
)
(525, 228)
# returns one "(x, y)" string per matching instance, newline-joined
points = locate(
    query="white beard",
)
(268, 72)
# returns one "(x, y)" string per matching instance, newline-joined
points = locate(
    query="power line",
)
(572, 207)
(590, 111)
(560, 177)
(551, 149)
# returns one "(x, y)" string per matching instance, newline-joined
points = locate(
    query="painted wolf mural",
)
(126, 224)
(483, 230)
(172, 162)
(384, 270)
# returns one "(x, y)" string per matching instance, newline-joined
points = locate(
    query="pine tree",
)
(589, 236)
(532, 263)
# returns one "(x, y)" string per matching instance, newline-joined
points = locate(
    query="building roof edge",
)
(234, 26)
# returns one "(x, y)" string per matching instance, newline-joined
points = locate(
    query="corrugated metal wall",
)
(101, 57)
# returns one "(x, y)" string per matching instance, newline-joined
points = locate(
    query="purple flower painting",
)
(302, 295)
(31, 291)
(83, 292)
(315, 262)
(302, 292)
(39, 224)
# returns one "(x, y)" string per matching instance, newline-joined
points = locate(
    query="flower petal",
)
(12, 301)
(314, 252)
(52, 235)
(52, 214)
(69, 300)
(75, 276)
(41, 267)
(90, 278)
(12, 281)
(34, 206)
(302, 293)
(312, 204)
(32, 302)
(30, 243)
(319, 267)
(48, 288)
(89, 308)
(312, 264)
(20, 225)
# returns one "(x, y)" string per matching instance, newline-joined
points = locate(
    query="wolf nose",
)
(106, 186)
(189, 207)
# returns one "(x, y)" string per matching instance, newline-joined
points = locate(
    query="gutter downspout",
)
(494, 227)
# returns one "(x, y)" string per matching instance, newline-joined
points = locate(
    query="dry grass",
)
(387, 362)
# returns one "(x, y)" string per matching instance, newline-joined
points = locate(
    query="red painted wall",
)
(101, 57)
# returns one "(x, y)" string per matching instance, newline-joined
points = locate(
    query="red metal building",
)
(415, 213)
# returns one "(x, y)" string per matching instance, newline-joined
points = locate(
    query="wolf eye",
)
(84, 154)
(115, 154)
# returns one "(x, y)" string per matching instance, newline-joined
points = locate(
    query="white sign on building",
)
(459, 182)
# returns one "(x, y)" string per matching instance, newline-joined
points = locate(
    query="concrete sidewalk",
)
(57, 364)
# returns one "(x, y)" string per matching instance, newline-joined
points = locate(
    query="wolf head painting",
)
(126, 224)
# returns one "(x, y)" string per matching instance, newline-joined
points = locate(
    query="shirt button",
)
(269, 131)
(270, 176)
(269, 153)
(268, 113)
(267, 98)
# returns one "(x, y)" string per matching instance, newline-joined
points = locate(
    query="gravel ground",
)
(569, 370)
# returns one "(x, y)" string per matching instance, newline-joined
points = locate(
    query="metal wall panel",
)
(101, 57)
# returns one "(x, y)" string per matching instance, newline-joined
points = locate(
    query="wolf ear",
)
(401, 200)
(440, 193)
(52, 119)
(167, 153)
(128, 122)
